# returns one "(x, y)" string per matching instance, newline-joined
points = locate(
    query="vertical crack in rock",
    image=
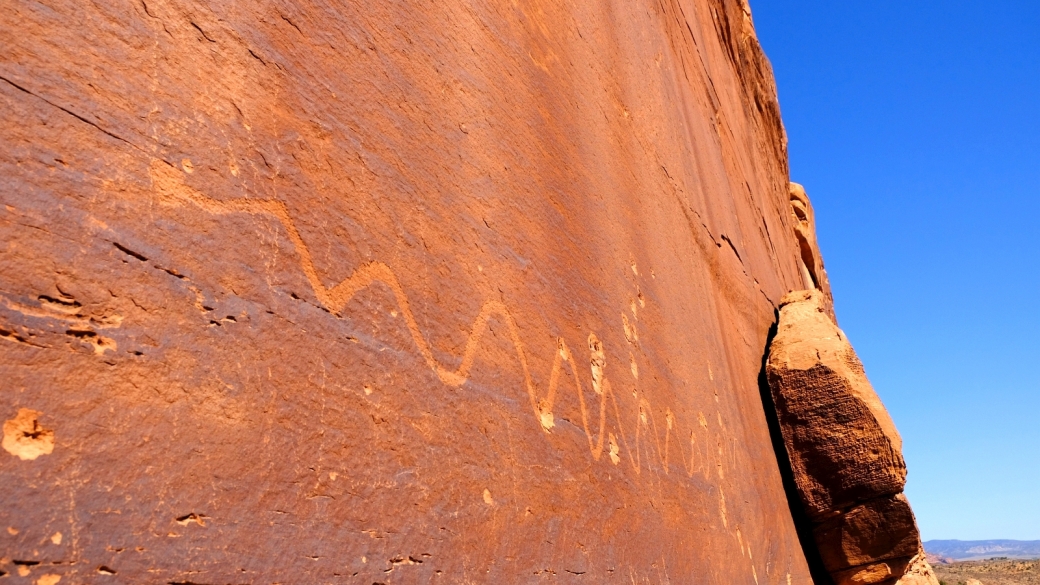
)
(803, 525)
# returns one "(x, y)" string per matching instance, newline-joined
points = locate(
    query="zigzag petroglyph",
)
(171, 189)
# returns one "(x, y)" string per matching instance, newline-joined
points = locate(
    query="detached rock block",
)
(845, 452)
(843, 445)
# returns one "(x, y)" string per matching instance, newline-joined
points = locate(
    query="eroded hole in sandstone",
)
(227, 319)
(80, 334)
(130, 252)
(799, 210)
(12, 336)
(26, 438)
(172, 272)
(98, 343)
(199, 519)
(59, 304)
(103, 570)
(402, 561)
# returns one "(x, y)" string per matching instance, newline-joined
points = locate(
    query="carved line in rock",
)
(169, 183)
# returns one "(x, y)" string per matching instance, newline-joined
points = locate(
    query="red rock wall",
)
(389, 292)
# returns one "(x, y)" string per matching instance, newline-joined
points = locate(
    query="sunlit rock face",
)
(303, 292)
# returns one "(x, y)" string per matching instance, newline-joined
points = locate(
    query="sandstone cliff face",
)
(390, 293)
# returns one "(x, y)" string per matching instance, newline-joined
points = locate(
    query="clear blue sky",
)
(915, 128)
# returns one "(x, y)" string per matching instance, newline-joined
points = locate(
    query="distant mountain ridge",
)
(968, 550)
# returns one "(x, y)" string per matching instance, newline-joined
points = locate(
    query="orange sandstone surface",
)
(844, 451)
(402, 292)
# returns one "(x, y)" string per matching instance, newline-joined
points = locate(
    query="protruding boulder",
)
(845, 452)
(843, 445)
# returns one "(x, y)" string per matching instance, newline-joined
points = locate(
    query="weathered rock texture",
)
(390, 292)
(813, 274)
(845, 452)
